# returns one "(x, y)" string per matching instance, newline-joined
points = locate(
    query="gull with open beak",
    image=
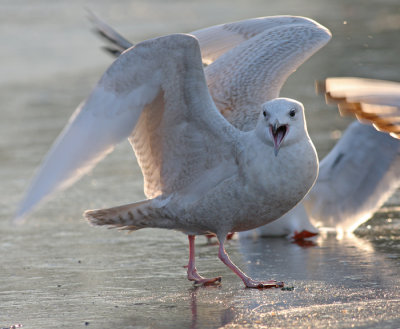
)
(279, 121)
(278, 133)
(207, 168)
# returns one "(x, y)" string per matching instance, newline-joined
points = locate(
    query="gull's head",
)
(281, 123)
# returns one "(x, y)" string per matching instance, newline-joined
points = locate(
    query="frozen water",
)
(58, 272)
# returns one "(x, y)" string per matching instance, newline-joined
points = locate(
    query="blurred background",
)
(56, 271)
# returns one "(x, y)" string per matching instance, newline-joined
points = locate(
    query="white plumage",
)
(202, 174)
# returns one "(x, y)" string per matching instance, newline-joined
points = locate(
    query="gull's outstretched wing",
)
(254, 71)
(355, 178)
(372, 101)
(161, 80)
(249, 60)
(117, 42)
(215, 40)
(219, 39)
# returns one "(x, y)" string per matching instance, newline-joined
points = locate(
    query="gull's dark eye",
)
(292, 113)
(265, 113)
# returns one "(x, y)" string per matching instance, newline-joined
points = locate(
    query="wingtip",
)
(325, 32)
(328, 32)
(91, 16)
(26, 206)
(321, 27)
(306, 21)
(322, 33)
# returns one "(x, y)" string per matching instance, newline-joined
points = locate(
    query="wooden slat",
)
(370, 101)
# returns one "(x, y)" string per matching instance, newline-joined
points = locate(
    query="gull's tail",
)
(132, 217)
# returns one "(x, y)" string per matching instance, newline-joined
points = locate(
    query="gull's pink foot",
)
(263, 284)
(192, 274)
(303, 235)
(300, 238)
(209, 282)
(198, 279)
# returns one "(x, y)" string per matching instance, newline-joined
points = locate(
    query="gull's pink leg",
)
(249, 282)
(191, 268)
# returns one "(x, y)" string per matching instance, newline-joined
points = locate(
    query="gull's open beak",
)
(278, 133)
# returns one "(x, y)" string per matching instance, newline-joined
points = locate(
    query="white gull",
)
(202, 175)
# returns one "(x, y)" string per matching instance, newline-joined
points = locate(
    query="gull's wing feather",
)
(372, 101)
(118, 42)
(254, 71)
(172, 152)
(219, 39)
(355, 178)
(89, 137)
(169, 66)
(107, 117)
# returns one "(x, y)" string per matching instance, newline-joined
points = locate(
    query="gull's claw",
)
(264, 284)
(208, 282)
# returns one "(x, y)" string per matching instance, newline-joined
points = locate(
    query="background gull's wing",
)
(376, 102)
(169, 66)
(290, 224)
(360, 173)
